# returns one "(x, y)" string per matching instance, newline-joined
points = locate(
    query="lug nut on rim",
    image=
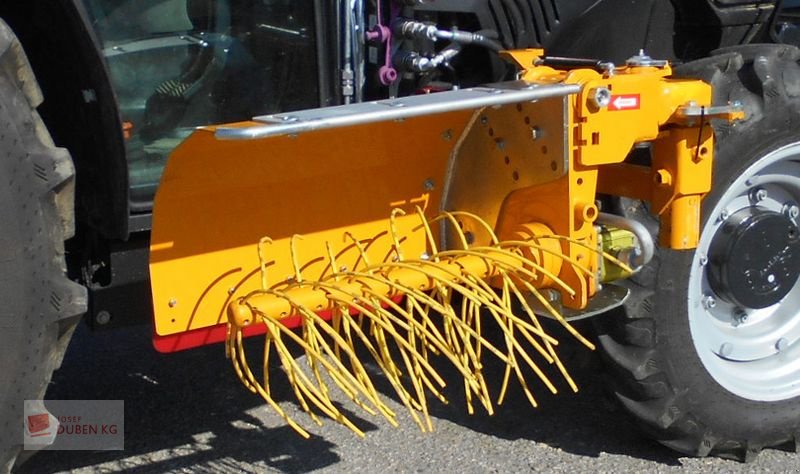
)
(709, 302)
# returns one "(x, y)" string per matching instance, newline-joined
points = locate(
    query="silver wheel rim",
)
(757, 356)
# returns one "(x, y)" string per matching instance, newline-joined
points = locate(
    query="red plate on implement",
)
(624, 102)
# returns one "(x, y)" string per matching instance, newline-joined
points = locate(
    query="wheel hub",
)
(755, 258)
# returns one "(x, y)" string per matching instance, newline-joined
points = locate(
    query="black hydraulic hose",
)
(487, 39)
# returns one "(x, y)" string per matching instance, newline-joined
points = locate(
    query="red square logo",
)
(38, 423)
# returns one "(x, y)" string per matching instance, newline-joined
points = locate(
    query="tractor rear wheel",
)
(706, 354)
(39, 306)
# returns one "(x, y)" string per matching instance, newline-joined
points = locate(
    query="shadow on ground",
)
(188, 408)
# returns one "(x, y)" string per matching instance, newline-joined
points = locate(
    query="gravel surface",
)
(187, 412)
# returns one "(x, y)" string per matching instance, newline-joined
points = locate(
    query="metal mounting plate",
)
(395, 109)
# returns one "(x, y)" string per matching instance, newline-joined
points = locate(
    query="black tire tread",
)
(41, 306)
(766, 80)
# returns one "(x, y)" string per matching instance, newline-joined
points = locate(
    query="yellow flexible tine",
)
(518, 372)
(410, 323)
(484, 342)
(506, 312)
(588, 247)
(237, 365)
(457, 364)
(267, 350)
(394, 380)
(298, 277)
(360, 385)
(381, 361)
(356, 387)
(313, 338)
(387, 327)
(507, 372)
(428, 231)
(542, 376)
(417, 371)
(469, 357)
(393, 230)
(557, 360)
(476, 373)
(453, 222)
(364, 377)
(310, 336)
(476, 317)
(532, 340)
(360, 248)
(417, 293)
(564, 323)
(514, 345)
(262, 261)
(242, 367)
(296, 380)
(485, 252)
(408, 328)
(304, 384)
(314, 317)
(417, 384)
(535, 246)
(249, 375)
(521, 324)
(418, 264)
(482, 222)
(514, 367)
(289, 421)
(321, 400)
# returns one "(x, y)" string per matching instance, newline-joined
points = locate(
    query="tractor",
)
(377, 188)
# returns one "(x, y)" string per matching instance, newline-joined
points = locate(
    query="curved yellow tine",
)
(293, 252)
(485, 252)
(480, 222)
(393, 228)
(561, 255)
(428, 231)
(588, 247)
(262, 261)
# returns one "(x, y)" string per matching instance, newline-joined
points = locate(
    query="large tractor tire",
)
(706, 354)
(39, 306)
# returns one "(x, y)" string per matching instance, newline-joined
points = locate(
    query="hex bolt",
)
(757, 195)
(709, 302)
(535, 133)
(723, 215)
(103, 317)
(173, 303)
(484, 120)
(726, 349)
(428, 185)
(791, 210)
(782, 344)
(703, 260)
(447, 135)
(600, 97)
(500, 143)
(740, 316)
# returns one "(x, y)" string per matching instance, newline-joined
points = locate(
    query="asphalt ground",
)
(187, 412)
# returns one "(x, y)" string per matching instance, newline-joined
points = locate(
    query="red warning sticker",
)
(624, 102)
